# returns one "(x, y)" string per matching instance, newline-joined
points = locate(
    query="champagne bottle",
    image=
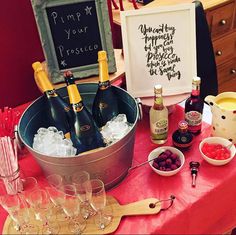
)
(105, 105)
(58, 110)
(194, 108)
(158, 115)
(84, 132)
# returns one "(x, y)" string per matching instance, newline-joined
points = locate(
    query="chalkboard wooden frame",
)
(40, 8)
(163, 42)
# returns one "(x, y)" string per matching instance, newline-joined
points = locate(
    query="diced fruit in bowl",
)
(217, 150)
(167, 160)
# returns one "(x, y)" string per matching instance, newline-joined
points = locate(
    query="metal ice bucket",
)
(109, 164)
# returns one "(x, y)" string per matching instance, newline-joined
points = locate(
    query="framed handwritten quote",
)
(72, 32)
(159, 48)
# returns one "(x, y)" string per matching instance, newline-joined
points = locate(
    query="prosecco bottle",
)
(158, 115)
(84, 132)
(105, 105)
(58, 111)
(194, 108)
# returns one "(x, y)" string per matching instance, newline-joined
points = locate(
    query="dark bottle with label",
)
(182, 138)
(105, 105)
(194, 108)
(84, 132)
(59, 111)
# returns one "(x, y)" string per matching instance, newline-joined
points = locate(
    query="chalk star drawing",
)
(63, 63)
(88, 10)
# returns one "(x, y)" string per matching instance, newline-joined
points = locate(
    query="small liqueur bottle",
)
(182, 138)
(58, 111)
(105, 105)
(158, 115)
(194, 108)
(84, 132)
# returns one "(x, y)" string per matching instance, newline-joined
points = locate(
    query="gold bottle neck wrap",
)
(74, 95)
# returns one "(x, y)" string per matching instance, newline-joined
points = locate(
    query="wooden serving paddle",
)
(143, 207)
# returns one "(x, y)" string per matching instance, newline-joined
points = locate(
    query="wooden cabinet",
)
(221, 18)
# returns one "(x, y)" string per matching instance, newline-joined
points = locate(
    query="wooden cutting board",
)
(118, 211)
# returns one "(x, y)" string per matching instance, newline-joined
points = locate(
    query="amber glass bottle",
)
(194, 108)
(105, 105)
(158, 115)
(84, 132)
(58, 111)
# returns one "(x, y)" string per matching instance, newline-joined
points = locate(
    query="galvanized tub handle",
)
(140, 110)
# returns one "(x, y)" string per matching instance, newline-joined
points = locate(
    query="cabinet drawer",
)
(225, 48)
(227, 76)
(220, 20)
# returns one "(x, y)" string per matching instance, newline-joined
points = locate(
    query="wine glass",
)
(55, 180)
(56, 196)
(78, 180)
(96, 195)
(40, 202)
(71, 207)
(29, 185)
(19, 214)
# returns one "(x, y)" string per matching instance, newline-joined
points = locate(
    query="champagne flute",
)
(96, 195)
(55, 180)
(40, 202)
(19, 214)
(78, 180)
(71, 207)
(29, 185)
(57, 196)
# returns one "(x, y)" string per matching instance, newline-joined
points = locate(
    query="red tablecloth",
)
(210, 208)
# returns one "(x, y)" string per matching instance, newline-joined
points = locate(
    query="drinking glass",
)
(19, 214)
(57, 197)
(55, 182)
(39, 200)
(96, 195)
(71, 207)
(78, 180)
(29, 185)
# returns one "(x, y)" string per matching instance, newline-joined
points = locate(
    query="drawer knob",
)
(233, 71)
(219, 53)
(223, 22)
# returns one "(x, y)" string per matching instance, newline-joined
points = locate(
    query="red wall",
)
(19, 47)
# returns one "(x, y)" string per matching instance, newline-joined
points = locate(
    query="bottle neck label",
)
(158, 103)
(104, 85)
(195, 90)
(77, 107)
(51, 93)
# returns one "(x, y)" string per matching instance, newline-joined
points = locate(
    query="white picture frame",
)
(159, 48)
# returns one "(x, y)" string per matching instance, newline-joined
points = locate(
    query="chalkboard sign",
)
(72, 32)
(163, 42)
